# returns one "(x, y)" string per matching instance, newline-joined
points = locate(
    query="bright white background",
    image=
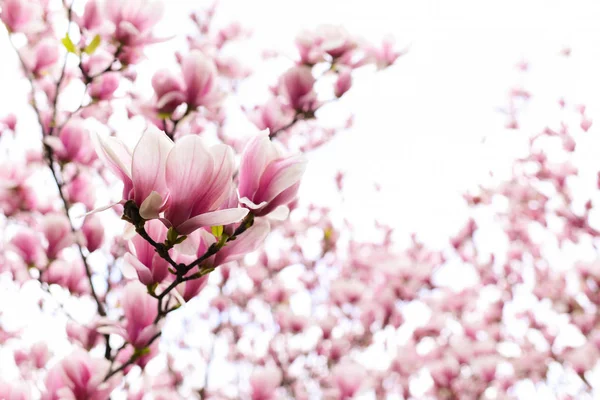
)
(419, 125)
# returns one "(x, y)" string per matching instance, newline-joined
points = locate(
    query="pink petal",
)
(148, 164)
(257, 154)
(151, 206)
(188, 170)
(215, 218)
(279, 176)
(245, 243)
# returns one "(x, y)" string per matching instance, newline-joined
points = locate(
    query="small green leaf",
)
(69, 45)
(90, 48)
(217, 230)
(152, 288)
(141, 352)
(171, 235)
(180, 239)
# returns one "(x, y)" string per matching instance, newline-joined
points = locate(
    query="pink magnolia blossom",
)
(272, 116)
(92, 17)
(267, 179)
(14, 391)
(93, 232)
(28, 246)
(296, 86)
(199, 180)
(39, 354)
(245, 243)
(169, 91)
(81, 377)
(81, 190)
(264, 383)
(70, 275)
(199, 75)
(57, 229)
(330, 40)
(348, 378)
(21, 16)
(150, 267)
(103, 87)
(134, 20)
(140, 312)
(73, 143)
(143, 172)
(343, 82)
(43, 56)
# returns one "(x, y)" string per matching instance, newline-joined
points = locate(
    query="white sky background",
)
(419, 125)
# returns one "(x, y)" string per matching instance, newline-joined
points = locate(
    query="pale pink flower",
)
(82, 377)
(14, 391)
(343, 82)
(143, 172)
(199, 76)
(22, 16)
(268, 180)
(247, 242)
(140, 311)
(93, 232)
(92, 18)
(296, 86)
(272, 116)
(348, 378)
(134, 20)
(264, 383)
(28, 246)
(43, 56)
(39, 354)
(57, 229)
(73, 143)
(150, 267)
(199, 180)
(81, 190)
(70, 275)
(103, 87)
(169, 91)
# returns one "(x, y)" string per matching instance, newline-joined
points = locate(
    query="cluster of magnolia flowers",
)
(184, 188)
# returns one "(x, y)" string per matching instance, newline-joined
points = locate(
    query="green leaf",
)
(171, 235)
(69, 45)
(217, 230)
(180, 239)
(141, 352)
(90, 48)
(152, 288)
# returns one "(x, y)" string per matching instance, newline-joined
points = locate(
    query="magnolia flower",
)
(264, 383)
(43, 56)
(169, 91)
(80, 377)
(140, 311)
(143, 172)
(22, 16)
(134, 20)
(148, 264)
(93, 232)
(186, 180)
(57, 229)
(14, 391)
(348, 377)
(268, 180)
(196, 87)
(296, 86)
(199, 74)
(199, 180)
